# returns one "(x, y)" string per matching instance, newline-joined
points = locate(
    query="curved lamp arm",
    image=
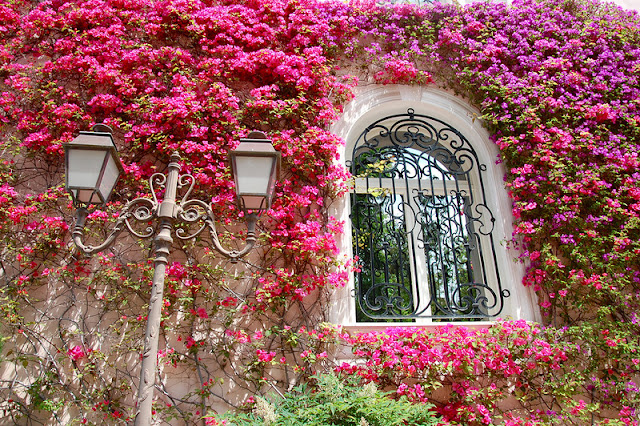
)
(78, 232)
(196, 211)
(234, 255)
(145, 209)
(140, 209)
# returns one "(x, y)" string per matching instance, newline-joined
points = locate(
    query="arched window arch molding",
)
(375, 102)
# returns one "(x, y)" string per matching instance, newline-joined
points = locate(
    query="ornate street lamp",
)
(93, 168)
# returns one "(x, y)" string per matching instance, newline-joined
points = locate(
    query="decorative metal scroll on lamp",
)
(93, 169)
(422, 229)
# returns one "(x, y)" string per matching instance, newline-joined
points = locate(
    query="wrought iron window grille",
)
(422, 230)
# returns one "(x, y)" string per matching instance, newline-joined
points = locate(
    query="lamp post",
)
(93, 168)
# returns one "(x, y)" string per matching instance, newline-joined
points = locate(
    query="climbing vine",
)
(556, 82)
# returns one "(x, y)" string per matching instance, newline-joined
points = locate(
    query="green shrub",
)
(332, 401)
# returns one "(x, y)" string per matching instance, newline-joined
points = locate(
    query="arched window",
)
(428, 219)
(421, 229)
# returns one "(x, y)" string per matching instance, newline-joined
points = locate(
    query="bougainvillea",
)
(556, 82)
(480, 368)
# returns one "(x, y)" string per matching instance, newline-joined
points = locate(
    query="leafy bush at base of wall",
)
(333, 400)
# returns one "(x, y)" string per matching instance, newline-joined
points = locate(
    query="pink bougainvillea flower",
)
(76, 353)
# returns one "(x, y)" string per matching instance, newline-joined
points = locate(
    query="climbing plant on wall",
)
(556, 82)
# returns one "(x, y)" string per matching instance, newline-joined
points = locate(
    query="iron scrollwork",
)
(422, 230)
(143, 210)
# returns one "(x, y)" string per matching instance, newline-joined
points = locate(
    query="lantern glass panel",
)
(254, 174)
(110, 176)
(85, 166)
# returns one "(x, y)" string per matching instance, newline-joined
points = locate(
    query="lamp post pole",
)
(92, 160)
(162, 242)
